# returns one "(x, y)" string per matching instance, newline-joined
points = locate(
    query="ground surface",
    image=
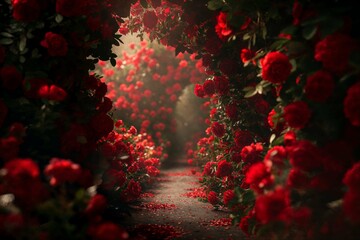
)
(171, 210)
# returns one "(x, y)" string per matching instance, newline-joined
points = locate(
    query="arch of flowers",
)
(282, 149)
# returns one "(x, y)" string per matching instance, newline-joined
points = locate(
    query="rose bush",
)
(286, 77)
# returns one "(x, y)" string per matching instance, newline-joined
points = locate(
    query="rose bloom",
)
(352, 104)
(228, 66)
(27, 10)
(102, 124)
(242, 138)
(351, 206)
(334, 51)
(133, 190)
(208, 168)
(52, 92)
(305, 156)
(107, 231)
(61, 171)
(229, 195)
(252, 153)
(212, 198)
(218, 129)
(352, 178)
(3, 112)
(221, 85)
(10, 77)
(272, 206)
(224, 169)
(297, 114)
(276, 67)
(258, 177)
(150, 19)
(209, 87)
(199, 90)
(70, 8)
(319, 86)
(96, 205)
(231, 111)
(276, 156)
(221, 28)
(274, 120)
(56, 44)
(21, 170)
(246, 55)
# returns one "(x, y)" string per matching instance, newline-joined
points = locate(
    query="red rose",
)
(276, 156)
(61, 171)
(305, 156)
(231, 111)
(272, 206)
(96, 205)
(221, 28)
(319, 86)
(56, 44)
(276, 67)
(21, 170)
(228, 66)
(244, 225)
(218, 129)
(152, 171)
(31, 87)
(26, 10)
(221, 85)
(212, 198)
(352, 104)
(208, 168)
(213, 45)
(9, 147)
(107, 231)
(224, 169)
(155, 3)
(102, 124)
(10, 78)
(150, 19)
(3, 112)
(334, 51)
(297, 11)
(252, 153)
(352, 178)
(297, 114)
(289, 138)
(242, 138)
(133, 190)
(199, 90)
(209, 87)
(52, 92)
(114, 178)
(351, 206)
(2, 54)
(258, 176)
(274, 120)
(229, 195)
(246, 55)
(70, 8)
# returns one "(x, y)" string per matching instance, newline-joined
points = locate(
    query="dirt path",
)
(170, 210)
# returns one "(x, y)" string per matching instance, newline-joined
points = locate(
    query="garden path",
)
(171, 210)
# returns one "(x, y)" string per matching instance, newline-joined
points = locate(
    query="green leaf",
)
(250, 93)
(113, 62)
(22, 43)
(6, 41)
(59, 18)
(309, 31)
(144, 3)
(215, 4)
(6, 34)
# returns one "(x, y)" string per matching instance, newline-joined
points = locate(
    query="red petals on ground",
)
(154, 206)
(195, 193)
(222, 222)
(147, 195)
(156, 231)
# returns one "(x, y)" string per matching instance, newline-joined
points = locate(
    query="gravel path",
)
(170, 210)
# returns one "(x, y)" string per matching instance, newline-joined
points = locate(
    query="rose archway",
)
(282, 148)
